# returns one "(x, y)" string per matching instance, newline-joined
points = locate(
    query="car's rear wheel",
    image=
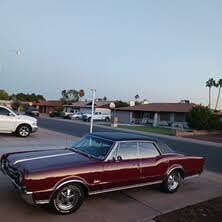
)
(23, 130)
(67, 199)
(107, 119)
(172, 182)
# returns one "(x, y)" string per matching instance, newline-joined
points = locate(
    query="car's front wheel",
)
(23, 130)
(172, 182)
(67, 199)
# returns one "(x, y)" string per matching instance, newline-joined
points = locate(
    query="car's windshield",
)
(94, 146)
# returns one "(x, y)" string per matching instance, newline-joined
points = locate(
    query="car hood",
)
(46, 160)
(29, 118)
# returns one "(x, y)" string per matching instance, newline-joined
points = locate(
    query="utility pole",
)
(93, 101)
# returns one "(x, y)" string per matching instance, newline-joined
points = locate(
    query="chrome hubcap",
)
(24, 131)
(67, 198)
(173, 181)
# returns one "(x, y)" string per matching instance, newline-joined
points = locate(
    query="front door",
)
(123, 167)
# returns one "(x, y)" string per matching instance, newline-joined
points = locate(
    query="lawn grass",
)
(158, 130)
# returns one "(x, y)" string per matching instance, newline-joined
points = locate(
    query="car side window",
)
(4, 112)
(127, 150)
(147, 150)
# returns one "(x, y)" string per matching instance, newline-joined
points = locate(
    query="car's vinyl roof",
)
(123, 136)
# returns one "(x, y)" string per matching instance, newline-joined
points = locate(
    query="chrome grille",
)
(14, 175)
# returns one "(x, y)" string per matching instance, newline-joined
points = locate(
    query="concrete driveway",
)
(139, 204)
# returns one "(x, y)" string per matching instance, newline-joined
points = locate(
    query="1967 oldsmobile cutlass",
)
(99, 162)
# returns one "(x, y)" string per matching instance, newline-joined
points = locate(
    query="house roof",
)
(77, 104)
(48, 103)
(80, 104)
(160, 107)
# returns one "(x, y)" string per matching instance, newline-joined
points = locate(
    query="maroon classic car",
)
(99, 162)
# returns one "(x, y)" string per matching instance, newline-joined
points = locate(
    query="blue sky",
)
(162, 50)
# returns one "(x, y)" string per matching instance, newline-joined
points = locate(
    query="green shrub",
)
(202, 118)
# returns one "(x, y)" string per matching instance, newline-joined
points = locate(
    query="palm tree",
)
(64, 95)
(218, 84)
(81, 93)
(210, 83)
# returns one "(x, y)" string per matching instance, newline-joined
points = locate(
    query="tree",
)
(120, 103)
(64, 95)
(203, 118)
(40, 97)
(210, 83)
(4, 95)
(70, 95)
(28, 97)
(16, 104)
(81, 93)
(219, 84)
(104, 98)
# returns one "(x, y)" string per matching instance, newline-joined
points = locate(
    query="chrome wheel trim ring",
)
(24, 131)
(66, 198)
(173, 181)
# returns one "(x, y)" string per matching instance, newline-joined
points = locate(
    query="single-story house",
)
(47, 106)
(156, 114)
(86, 106)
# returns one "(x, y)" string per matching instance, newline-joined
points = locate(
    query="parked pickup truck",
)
(96, 116)
(10, 122)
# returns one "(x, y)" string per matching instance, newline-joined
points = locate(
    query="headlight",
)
(34, 123)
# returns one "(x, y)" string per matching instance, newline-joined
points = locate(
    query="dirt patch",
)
(203, 212)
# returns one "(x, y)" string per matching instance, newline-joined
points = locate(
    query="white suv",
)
(10, 122)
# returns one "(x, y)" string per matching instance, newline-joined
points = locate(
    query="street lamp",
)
(93, 101)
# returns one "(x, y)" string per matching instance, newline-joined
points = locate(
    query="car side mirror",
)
(10, 114)
(119, 158)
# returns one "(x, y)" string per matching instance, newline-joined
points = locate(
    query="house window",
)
(148, 115)
(179, 117)
(164, 116)
(136, 115)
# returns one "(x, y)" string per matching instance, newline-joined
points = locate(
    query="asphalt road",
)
(212, 154)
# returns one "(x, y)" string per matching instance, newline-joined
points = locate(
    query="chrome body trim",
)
(41, 201)
(125, 187)
(71, 181)
(42, 157)
(174, 168)
(25, 195)
(115, 146)
(60, 185)
(22, 189)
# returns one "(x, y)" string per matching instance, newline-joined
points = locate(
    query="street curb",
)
(181, 139)
(188, 140)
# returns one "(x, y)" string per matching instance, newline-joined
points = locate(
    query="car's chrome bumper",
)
(34, 129)
(26, 196)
